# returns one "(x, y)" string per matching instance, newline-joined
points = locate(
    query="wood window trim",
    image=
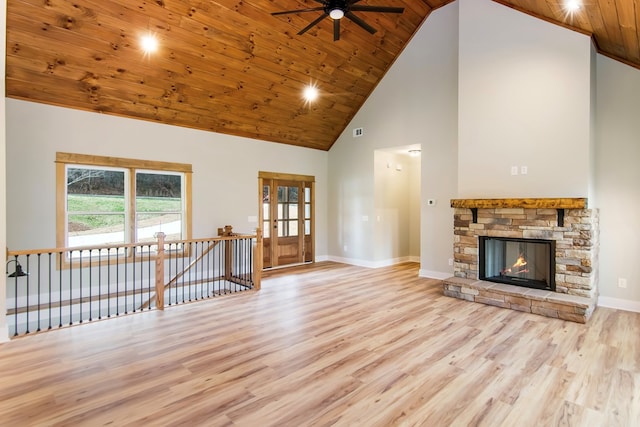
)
(133, 165)
(286, 176)
(121, 162)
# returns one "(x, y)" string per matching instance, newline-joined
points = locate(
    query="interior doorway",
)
(396, 225)
(287, 217)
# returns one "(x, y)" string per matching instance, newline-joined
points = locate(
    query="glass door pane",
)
(287, 212)
(307, 210)
(266, 211)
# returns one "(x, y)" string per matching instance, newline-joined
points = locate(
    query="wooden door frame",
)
(302, 179)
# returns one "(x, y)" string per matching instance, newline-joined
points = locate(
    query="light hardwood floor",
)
(323, 345)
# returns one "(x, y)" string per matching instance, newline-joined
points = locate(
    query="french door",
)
(286, 215)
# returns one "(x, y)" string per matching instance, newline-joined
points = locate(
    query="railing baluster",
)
(183, 257)
(15, 299)
(126, 255)
(199, 264)
(90, 285)
(100, 284)
(39, 292)
(117, 282)
(175, 285)
(27, 293)
(109, 283)
(210, 270)
(70, 290)
(221, 263)
(50, 312)
(149, 275)
(60, 255)
(80, 288)
(133, 280)
(189, 282)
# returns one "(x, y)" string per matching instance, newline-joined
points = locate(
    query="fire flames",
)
(519, 267)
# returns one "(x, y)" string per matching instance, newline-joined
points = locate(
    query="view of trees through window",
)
(98, 205)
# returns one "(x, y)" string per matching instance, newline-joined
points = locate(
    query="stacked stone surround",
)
(576, 259)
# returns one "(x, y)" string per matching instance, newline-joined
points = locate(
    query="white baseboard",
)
(619, 304)
(4, 333)
(373, 264)
(430, 274)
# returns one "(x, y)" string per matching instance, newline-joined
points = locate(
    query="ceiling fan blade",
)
(336, 30)
(385, 9)
(311, 9)
(360, 22)
(308, 27)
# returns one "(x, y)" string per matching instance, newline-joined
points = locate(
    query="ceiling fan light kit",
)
(338, 9)
(336, 13)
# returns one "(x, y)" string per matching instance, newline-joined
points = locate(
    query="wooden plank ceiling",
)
(229, 66)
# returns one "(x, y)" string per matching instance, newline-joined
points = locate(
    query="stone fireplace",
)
(543, 255)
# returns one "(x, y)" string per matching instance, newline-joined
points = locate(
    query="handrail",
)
(121, 245)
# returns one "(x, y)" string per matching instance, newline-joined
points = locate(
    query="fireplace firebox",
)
(521, 262)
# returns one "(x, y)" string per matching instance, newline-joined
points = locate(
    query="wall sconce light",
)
(19, 271)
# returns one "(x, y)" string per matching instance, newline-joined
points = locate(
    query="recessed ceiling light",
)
(311, 93)
(572, 5)
(149, 44)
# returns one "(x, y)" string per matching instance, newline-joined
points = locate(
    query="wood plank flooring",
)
(328, 345)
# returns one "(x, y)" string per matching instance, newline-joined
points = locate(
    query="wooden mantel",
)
(544, 203)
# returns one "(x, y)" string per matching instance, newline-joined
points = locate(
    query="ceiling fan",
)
(337, 9)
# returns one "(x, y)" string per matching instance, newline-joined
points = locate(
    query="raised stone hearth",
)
(568, 222)
(536, 301)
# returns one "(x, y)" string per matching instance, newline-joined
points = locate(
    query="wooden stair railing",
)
(60, 286)
(160, 272)
(227, 231)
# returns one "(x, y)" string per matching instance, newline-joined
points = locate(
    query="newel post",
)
(257, 260)
(228, 261)
(160, 271)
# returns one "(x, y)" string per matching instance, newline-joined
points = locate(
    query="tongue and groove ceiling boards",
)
(230, 66)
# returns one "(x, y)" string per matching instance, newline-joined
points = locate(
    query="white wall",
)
(225, 168)
(618, 181)
(415, 103)
(524, 100)
(4, 332)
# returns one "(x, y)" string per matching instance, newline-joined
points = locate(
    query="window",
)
(110, 201)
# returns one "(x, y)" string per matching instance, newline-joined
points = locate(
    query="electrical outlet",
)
(345, 248)
(622, 283)
(450, 261)
(514, 170)
(524, 170)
